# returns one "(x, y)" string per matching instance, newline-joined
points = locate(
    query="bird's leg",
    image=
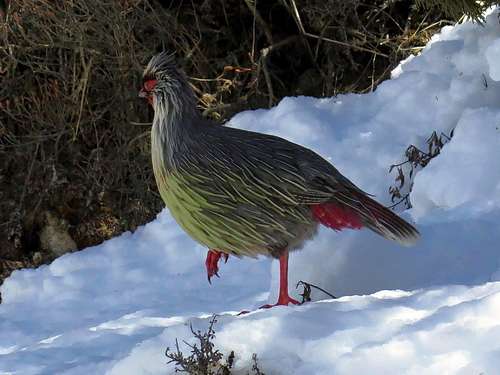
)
(212, 261)
(284, 299)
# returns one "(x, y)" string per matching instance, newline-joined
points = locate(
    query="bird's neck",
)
(174, 124)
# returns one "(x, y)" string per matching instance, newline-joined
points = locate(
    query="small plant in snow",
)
(416, 159)
(204, 358)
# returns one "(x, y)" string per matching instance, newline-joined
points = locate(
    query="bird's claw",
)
(282, 302)
(212, 265)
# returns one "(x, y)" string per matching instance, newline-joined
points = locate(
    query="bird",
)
(243, 193)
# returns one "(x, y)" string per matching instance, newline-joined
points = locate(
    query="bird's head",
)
(164, 83)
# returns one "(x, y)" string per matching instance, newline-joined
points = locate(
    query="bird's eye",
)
(150, 84)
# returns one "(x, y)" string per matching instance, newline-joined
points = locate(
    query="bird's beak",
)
(143, 93)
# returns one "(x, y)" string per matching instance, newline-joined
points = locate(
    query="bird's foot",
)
(212, 262)
(282, 301)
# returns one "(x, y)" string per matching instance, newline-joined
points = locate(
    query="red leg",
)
(284, 299)
(212, 261)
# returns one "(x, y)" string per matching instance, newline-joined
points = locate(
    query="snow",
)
(433, 309)
(471, 157)
(493, 57)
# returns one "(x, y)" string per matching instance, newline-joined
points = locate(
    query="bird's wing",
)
(271, 166)
(299, 176)
(268, 182)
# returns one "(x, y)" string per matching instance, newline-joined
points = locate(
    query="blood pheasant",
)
(244, 193)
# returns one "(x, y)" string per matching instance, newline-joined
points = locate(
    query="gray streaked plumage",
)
(242, 192)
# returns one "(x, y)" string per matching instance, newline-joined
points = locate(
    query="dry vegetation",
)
(416, 159)
(74, 138)
(204, 358)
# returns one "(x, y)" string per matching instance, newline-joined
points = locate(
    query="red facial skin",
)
(147, 90)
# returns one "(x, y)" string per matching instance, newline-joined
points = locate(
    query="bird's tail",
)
(355, 210)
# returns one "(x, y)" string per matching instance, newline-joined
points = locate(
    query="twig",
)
(296, 15)
(298, 21)
(281, 43)
(28, 176)
(264, 52)
(84, 85)
(405, 199)
(263, 62)
(373, 73)
(135, 123)
(260, 20)
(345, 44)
(306, 295)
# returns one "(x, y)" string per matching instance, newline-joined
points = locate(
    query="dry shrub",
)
(416, 159)
(70, 72)
(203, 358)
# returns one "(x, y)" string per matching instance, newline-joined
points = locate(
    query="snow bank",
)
(115, 307)
(450, 330)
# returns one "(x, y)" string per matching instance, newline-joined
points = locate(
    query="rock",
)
(54, 236)
(37, 258)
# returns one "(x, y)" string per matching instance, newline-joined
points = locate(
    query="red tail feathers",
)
(355, 210)
(336, 217)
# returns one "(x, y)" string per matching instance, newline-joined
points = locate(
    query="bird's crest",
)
(159, 65)
(167, 89)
